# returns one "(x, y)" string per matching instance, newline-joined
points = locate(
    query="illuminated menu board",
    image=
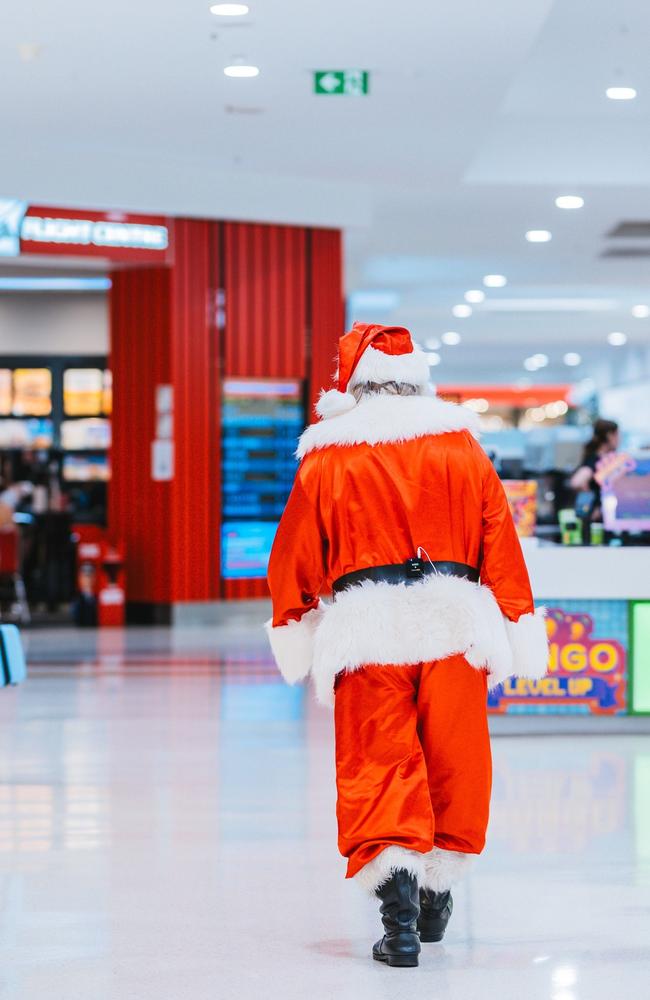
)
(262, 420)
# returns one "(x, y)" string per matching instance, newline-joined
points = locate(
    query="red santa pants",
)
(413, 763)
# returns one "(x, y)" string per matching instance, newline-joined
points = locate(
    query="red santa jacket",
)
(390, 476)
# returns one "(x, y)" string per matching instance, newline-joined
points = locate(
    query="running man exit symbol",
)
(349, 82)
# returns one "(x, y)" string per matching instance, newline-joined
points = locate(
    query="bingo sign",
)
(587, 672)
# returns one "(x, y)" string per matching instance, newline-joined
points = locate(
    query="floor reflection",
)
(167, 829)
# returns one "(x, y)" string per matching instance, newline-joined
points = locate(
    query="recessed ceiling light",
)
(495, 280)
(617, 339)
(536, 361)
(572, 359)
(474, 295)
(432, 343)
(478, 405)
(538, 236)
(569, 201)
(433, 358)
(239, 70)
(451, 338)
(462, 311)
(621, 93)
(229, 9)
(641, 312)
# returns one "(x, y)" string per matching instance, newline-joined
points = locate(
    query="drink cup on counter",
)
(596, 533)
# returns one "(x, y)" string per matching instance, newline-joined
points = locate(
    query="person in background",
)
(604, 439)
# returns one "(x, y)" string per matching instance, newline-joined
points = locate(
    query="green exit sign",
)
(349, 82)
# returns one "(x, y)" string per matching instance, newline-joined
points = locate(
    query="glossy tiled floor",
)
(167, 833)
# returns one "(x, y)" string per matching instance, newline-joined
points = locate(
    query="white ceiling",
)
(479, 115)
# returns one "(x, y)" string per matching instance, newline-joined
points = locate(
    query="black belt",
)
(407, 572)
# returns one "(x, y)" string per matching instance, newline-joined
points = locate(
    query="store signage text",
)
(85, 232)
(21, 225)
(582, 670)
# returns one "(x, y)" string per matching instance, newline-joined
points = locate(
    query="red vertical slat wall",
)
(140, 359)
(265, 270)
(163, 332)
(326, 307)
(197, 388)
(264, 280)
(283, 315)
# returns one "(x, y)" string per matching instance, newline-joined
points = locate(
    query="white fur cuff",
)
(379, 870)
(292, 644)
(442, 869)
(375, 366)
(529, 644)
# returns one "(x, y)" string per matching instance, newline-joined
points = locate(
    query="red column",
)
(282, 291)
(163, 332)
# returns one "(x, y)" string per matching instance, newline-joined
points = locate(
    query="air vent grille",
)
(630, 230)
(626, 252)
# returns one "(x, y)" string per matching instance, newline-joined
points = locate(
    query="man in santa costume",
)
(398, 511)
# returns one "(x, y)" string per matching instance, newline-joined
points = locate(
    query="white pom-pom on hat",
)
(333, 403)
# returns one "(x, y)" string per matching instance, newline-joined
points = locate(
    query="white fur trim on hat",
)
(379, 870)
(375, 366)
(292, 644)
(333, 403)
(529, 644)
(442, 869)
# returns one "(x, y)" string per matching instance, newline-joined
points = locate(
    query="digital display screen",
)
(85, 469)
(32, 392)
(34, 433)
(86, 434)
(626, 493)
(262, 421)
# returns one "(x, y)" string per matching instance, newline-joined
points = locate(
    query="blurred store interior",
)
(167, 318)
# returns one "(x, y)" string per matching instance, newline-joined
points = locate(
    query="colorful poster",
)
(587, 671)
(522, 497)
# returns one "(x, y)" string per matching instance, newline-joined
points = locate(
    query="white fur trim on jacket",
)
(375, 366)
(292, 644)
(529, 644)
(379, 870)
(398, 625)
(442, 869)
(387, 418)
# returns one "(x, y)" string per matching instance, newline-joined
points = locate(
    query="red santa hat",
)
(372, 353)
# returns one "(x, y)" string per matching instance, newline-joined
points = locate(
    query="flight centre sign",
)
(29, 229)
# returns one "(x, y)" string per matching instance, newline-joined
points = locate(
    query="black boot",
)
(435, 911)
(400, 945)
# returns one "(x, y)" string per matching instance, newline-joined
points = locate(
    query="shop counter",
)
(598, 620)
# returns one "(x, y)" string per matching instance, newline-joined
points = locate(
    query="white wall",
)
(53, 323)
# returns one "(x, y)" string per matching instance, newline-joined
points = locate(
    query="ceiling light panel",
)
(229, 9)
(241, 71)
(569, 201)
(621, 93)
